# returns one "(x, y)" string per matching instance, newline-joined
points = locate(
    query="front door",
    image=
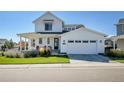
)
(56, 43)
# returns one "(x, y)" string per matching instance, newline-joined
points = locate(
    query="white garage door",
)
(82, 47)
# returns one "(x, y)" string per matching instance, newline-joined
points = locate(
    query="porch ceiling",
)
(37, 35)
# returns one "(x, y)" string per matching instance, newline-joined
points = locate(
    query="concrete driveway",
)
(82, 58)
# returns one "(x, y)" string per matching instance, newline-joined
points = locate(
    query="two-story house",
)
(68, 38)
(118, 40)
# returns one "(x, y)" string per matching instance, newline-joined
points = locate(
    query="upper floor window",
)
(123, 28)
(48, 26)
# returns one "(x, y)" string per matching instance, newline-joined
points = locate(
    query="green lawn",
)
(119, 60)
(115, 59)
(36, 60)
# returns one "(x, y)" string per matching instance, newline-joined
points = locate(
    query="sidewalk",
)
(76, 65)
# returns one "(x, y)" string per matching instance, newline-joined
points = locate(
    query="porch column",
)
(20, 45)
(45, 39)
(31, 44)
(28, 44)
(25, 43)
(114, 44)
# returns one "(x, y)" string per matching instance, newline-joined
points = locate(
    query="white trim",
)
(37, 35)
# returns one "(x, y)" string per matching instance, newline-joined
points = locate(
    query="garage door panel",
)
(81, 48)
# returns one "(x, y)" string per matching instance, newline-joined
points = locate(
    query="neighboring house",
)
(67, 38)
(2, 42)
(118, 40)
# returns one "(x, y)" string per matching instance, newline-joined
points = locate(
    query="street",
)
(67, 73)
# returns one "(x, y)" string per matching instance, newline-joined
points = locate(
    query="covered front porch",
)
(118, 42)
(36, 40)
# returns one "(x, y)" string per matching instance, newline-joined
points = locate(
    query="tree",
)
(3, 47)
(9, 44)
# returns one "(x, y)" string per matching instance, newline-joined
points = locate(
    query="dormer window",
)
(48, 26)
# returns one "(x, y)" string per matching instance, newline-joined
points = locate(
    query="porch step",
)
(56, 52)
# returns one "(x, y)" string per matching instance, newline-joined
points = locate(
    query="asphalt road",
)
(63, 74)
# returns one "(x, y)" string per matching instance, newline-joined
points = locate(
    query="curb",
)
(74, 65)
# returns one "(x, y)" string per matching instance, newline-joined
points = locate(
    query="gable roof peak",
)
(47, 12)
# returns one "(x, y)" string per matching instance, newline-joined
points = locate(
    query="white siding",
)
(56, 24)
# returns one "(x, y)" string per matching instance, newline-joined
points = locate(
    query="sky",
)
(14, 22)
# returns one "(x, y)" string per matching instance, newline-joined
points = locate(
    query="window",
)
(48, 40)
(77, 41)
(63, 42)
(100, 41)
(33, 43)
(73, 28)
(69, 29)
(119, 28)
(48, 26)
(70, 41)
(92, 41)
(85, 41)
(123, 28)
(65, 29)
(40, 40)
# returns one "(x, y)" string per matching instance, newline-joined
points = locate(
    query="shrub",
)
(33, 53)
(42, 51)
(115, 53)
(2, 54)
(18, 55)
(45, 51)
(48, 52)
(8, 56)
(11, 56)
(26, 55)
